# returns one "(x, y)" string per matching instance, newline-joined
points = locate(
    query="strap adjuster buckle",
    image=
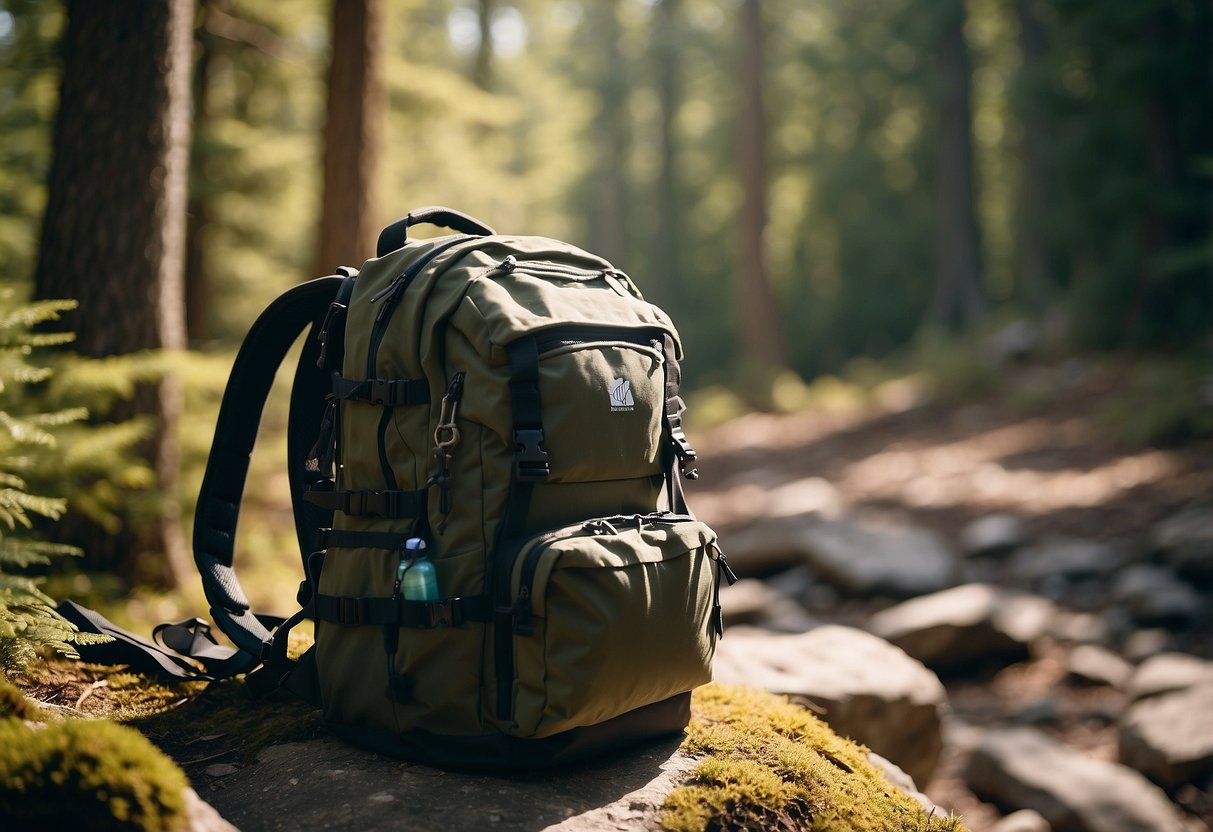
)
(448, 613)
(351, 611)
(383, 391)
(530, 459)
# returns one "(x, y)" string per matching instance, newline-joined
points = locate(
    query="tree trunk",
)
(959, 300)
(349, 223)
(1035, 256)
(482, 72)
(667, 249)
(114, 232)
(609, 198)
(198, 210)
(761, 333)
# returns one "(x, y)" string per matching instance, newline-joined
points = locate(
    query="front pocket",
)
(610, 615)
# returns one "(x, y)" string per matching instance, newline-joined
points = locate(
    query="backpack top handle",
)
(396, 234)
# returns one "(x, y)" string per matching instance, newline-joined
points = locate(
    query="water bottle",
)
(416, 574)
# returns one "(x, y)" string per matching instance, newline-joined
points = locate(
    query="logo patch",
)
(621, 395)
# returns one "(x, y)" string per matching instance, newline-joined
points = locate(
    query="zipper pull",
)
(722, 563)
(388, 289)
(508, 264)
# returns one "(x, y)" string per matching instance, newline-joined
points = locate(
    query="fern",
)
(29, 444)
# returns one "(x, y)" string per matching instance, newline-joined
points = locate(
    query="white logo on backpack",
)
(621, 395)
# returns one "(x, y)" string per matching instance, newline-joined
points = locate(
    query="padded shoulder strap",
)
(266, 344)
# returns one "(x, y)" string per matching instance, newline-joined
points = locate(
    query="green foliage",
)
(101, 775)
(769, 764)
(1165, 401)
(15, 704)
(29, 445)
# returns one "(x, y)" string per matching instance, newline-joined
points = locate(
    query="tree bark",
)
(959, 300)
(349, 223)
(609, 199)
(761, 334)
(198, 210)
(1035, 256)
(667, 251)
(113, 235)
(482, 72)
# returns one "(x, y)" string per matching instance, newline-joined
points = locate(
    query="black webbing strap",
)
(361, 502)
(681, 453)
(530, 458)
(356, 611)
(350, 539)
(392, 392)
(185, 650)
(267, 342)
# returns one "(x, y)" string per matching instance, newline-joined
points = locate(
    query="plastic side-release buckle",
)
(531, 461)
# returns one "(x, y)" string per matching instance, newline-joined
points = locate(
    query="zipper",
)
(541, 268)
(568, 336)
(391, 294)
(521, 607)
(594, 528)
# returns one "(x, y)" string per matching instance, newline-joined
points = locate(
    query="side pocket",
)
(612, 616)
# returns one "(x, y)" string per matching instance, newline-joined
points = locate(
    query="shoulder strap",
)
(266, 344)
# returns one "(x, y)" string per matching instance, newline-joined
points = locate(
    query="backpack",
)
(486, 455)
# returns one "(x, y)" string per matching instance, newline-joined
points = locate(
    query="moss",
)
(101, 775)
(14, 703)
(769, 764)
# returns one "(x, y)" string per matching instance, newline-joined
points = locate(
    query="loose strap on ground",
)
(357, 611)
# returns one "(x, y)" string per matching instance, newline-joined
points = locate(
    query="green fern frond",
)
(23, 432)
(21, 553)
(14, 323)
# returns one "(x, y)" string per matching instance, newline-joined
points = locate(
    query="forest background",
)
(816, 191)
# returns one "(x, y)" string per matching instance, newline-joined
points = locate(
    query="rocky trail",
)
(1055, 580)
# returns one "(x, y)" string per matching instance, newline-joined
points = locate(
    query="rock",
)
(1044, 710)
(1168, 672)
(1140, 645)
(1081, 628)
(326, 784)
(1154, 595)
(1014, 340)
(863, 687)
(1185, 540)
(221, 770)
(903, 781)
(751, 601)
(857, 558)
(202, 817)
(1068, 558)
(966, 627)
(1025, 820)
(867, 560)
(1022, 768)
(1169, 737)
(766, 545)
(1090, 664)
(993, 536)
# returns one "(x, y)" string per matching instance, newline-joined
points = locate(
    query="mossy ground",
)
(770, 765)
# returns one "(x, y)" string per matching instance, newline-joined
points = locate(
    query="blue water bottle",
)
(416, 574)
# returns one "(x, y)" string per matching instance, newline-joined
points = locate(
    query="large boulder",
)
(862, 686)
(1185, 540)
(857, 557)
(965, 628)
(325, 784)
(1168, 672)
(1169, 737)
(1022, 768)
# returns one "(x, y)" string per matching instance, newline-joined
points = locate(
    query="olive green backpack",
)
(501, 414)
